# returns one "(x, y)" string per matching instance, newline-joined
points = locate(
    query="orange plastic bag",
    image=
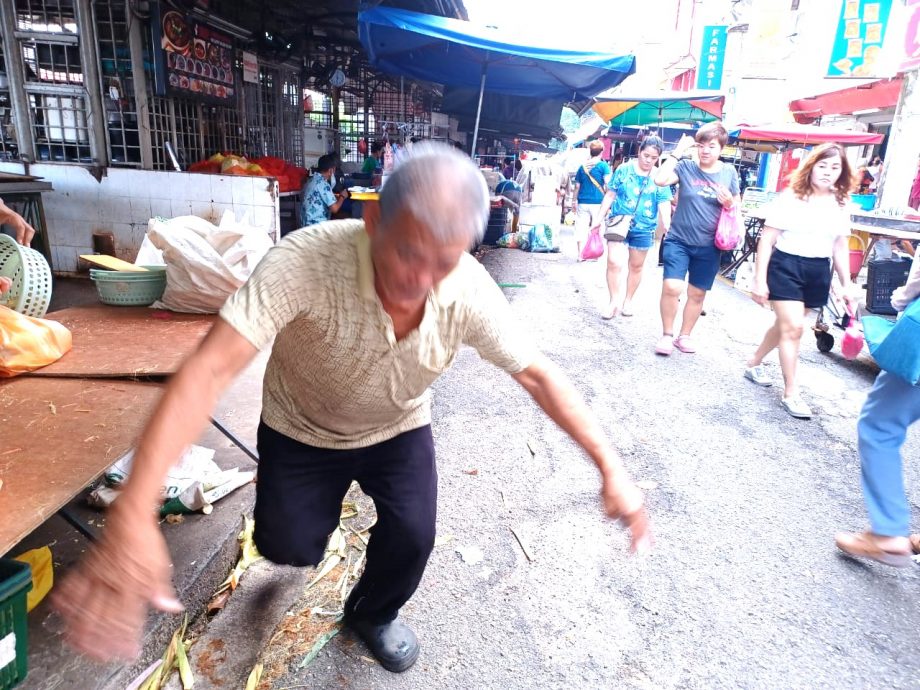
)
(27, 343)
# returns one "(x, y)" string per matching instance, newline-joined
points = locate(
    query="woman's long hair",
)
(800, 179)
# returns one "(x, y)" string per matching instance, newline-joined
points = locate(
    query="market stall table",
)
(113, 342)
(60, 435)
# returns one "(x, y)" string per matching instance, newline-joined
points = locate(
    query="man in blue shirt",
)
(319, 201)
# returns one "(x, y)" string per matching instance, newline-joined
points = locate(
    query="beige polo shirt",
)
(337, 377)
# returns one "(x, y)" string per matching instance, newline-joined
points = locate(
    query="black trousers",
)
(299, 496)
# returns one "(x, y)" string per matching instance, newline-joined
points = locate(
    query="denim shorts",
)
(701, 263)
(640, 239)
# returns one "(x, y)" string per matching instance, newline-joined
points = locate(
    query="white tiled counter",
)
(125, 199)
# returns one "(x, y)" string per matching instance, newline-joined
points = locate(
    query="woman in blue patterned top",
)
(633, 192)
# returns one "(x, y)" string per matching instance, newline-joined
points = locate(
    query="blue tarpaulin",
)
(458, 53)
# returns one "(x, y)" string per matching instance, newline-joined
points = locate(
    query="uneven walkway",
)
(744, 589)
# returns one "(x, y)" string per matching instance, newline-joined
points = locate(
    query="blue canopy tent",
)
(458, 53)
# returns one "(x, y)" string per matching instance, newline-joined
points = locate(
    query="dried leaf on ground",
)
(185, 670)
(254, 676)
(532, 447)
(219, 600)
(175, 518)
(327, 567)
(321, 642)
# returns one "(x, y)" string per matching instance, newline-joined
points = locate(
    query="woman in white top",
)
(805, 232)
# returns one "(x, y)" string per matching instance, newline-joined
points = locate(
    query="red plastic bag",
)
(27, 343)
(594, 247)
(728, 231)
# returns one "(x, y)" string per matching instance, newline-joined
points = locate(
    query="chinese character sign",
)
(712, 58)
(860, 35)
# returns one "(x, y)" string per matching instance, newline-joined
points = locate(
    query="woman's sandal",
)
(865, 545)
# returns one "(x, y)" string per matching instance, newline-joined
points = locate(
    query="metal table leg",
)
(233, 439)
(77, 524)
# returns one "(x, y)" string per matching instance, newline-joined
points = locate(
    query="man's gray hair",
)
(441, 187)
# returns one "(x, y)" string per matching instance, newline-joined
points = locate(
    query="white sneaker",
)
(758, 375)
(796, 407)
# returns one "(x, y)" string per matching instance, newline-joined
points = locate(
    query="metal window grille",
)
(223, 130)
(112, 20)
(59, 127)
(177, 121)
(321, 115)
(54, 80)
(9, 150)
(52, 16)
(263, 128)
(292, 117)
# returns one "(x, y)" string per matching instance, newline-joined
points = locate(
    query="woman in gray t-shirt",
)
(689, 252)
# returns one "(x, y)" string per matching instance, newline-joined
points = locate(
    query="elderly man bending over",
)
(364, 318)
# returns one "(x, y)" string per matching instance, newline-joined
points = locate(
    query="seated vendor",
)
(319, 201)
(372, 162)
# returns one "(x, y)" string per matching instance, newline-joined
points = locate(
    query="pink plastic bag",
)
(853, 338)
(594, 247)
(728, 231)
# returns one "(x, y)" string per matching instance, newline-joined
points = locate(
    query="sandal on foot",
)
(665, 345)
(684, 344)
(610, 313)
(915, 543)
(627, 310)
(865, 545)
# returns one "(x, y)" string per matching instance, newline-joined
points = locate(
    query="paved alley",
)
(745, 587)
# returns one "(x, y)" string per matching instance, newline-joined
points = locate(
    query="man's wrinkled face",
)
(409, 261)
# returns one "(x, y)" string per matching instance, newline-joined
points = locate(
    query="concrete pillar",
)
(903, 146)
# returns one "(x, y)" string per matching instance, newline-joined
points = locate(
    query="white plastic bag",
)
(205, 264)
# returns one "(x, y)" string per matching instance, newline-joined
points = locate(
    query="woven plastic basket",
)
(129, 288)
(31, 276)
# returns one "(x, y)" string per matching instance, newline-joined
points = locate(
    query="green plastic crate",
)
(15, 583)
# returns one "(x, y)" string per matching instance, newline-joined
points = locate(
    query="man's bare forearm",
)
(183, 412)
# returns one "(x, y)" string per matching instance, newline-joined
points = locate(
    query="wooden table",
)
(65, 424)
(125, 342)
(60, 435)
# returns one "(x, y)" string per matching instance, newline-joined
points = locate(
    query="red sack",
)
(728, 231)
(594, 247)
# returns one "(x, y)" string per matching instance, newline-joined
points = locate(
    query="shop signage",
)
(712, 58)
(194, 60)
(911, 58)
(860, 36)
(250, 67)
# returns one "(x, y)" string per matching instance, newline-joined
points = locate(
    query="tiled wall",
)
(125, 200)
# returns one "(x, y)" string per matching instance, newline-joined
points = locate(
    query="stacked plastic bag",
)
(205, 263)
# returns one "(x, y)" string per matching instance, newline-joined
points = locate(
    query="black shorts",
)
(792, 278)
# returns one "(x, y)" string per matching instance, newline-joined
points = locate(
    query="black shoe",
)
(393, 644)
